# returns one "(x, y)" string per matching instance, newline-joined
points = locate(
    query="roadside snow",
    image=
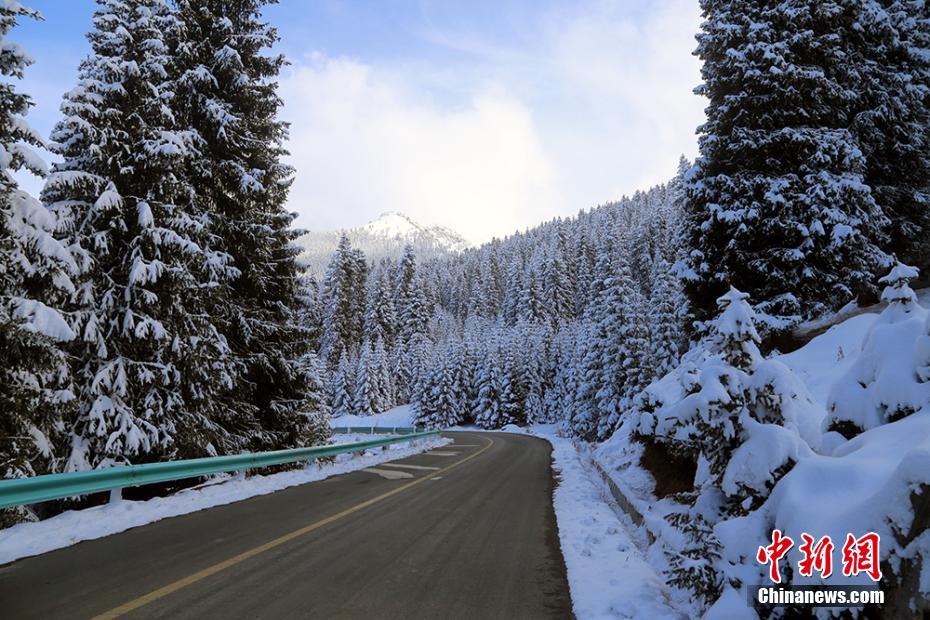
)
(607, 575)
(71, 527)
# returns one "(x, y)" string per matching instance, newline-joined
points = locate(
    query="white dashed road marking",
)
(434, 453)
(390, 474)
(405, 466)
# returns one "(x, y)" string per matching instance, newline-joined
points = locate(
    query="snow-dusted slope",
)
(384, 237)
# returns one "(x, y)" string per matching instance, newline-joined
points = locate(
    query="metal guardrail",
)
(22, 491)
(378, 430)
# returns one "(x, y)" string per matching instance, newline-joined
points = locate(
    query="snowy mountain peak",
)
(397, 226)
(392, 224)
(384, 237)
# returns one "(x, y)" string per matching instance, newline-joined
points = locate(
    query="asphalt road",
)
(470, 534)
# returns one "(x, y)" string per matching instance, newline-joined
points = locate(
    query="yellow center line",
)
(277, 542)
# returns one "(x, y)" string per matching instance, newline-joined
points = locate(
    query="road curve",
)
(471, 534)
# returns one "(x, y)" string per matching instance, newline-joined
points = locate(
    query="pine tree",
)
(342, 331)
(535, 372)
(384, 379)
(585, 416)
(342, 387)
(315, 374)
(735, 338)
(150, 363)
(531, 308)
(887, 44)
(226, 93)
(380, 314)
(310, 314)
(490, 383)
(721, 407)
(513, 390)
(559, 294)
(35, 270)
(440, 401)
(622, 344)
(413, 329)
(364, 397)
(411, 302)
(665, 338)
(777, 202)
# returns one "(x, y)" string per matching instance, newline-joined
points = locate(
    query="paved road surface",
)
(475, 538)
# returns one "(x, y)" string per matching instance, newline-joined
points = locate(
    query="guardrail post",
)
(116, 496)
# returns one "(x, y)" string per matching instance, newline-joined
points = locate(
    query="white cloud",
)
(593, 102)
(363, 142)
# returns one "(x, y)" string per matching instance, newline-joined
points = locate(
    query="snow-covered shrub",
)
(740, 418)
(890, 377)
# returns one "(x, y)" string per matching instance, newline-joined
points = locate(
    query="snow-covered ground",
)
(398, 416)
(871, 371)
(74, 526)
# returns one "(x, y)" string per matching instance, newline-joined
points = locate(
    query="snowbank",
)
(607, 574)
(71, 527)
(398, 416)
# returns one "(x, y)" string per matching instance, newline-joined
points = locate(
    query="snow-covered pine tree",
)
(411, 303)
(413, 327)
(310, 315)
(468, 371)
(559, 399)
(226, 94)
(342, 387)
(342, 330)
(513, 289)
(384, 384)
(490, 384)
(777, 201)
(150, 363)
(380, 314)
(623, 346)
(440, 400)
(514, 387)
(666, 329)
(532, 307)
(731, 409)
(315, 373)
(887, 42)
(536, 372)
(559, 293)
(35, 271)
(317, 405)
(585, 416)
(365, 394)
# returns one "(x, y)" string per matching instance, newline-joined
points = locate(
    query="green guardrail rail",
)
(378, 430)
(23, 491)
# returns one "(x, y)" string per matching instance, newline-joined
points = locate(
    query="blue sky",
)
(485, 116)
